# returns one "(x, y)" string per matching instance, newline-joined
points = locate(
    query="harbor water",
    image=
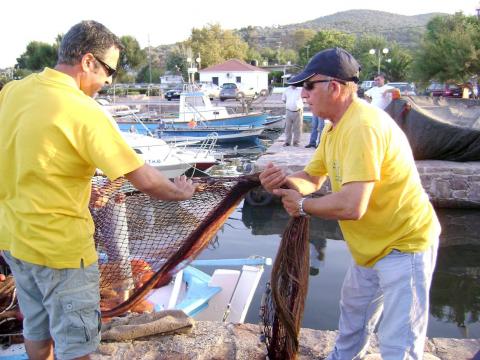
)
(257, 230)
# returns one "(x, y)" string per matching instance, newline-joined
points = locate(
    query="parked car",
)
(364, 86)
(173, 94)
(212, 90)
(442, 89)
(406, 89)
(236, 91)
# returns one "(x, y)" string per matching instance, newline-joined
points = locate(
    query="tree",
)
(299, 38)
(37, 56)
(450, 49)
(250, 35)
(395, 64)
(132, 59)
(215, 45)
(326, 39)
(176, 61)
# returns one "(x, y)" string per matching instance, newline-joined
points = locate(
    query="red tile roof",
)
(232, 65)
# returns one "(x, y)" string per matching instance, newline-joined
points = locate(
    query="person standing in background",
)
(292, 97)
(381, 94)
(317, 127)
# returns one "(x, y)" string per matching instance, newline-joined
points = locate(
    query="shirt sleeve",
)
(106, 149)
(363, 157)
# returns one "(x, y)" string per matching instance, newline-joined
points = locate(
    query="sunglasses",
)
(309, 85)
(108, 69)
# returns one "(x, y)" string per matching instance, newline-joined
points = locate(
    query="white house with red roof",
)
(236, 71)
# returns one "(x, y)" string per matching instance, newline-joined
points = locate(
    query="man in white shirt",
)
(292, 97)
(381, 94)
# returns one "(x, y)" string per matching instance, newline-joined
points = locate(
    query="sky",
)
(168, 21)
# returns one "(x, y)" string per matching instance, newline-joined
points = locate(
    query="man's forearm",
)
(304, 183)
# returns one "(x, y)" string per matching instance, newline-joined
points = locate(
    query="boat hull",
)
(253, 119)
(223, 135)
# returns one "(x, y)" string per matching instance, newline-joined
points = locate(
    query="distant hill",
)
(406, 30)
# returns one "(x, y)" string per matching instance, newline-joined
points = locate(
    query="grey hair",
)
(349, 89)
(86, 37)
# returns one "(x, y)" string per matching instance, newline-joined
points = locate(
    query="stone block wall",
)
(451, 184)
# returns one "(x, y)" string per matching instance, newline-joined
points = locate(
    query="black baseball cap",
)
(336, 62)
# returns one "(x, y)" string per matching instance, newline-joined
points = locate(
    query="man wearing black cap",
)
(385, 215)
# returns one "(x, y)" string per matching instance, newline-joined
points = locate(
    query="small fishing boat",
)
(116, 110)
(196, 109)
(275, 122)
(307, 116)
(222, 133)
(172, 161)
(224, 296)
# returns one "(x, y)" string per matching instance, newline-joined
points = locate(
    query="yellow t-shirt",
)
(367, 145)
(52, 138)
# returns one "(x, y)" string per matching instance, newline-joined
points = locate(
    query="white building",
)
(171, 81)
(236, 71)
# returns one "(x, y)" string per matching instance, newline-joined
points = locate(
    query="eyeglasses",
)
(309, 85)
(108, 69)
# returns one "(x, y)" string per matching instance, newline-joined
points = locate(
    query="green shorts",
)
(62, 304)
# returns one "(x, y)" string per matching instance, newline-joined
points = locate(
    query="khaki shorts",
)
(62, 304)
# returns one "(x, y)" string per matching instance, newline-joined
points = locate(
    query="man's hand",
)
(272, 178)
(290, 200)
(185, 187)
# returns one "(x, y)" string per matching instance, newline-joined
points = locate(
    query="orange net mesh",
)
(142, 241)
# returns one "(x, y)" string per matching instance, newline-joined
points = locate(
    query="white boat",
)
(116, 110)
(224, 296)
(196, 109)
(172, 161)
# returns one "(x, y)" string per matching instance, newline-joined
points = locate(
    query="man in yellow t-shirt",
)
(53, 136)
(385, 215)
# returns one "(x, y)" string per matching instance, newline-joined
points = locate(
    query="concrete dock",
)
(449, 184)
(219, 341)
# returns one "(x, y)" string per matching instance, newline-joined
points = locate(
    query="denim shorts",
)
(62, 304)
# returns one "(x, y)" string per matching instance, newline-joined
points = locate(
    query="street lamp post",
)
(379, 54)
(308, 48)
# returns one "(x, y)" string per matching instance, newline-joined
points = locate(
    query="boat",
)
(307, 116)
(171, 160)
(196, 109)
(275, 122)
(224, 296)
(116, 110)
(222, 133)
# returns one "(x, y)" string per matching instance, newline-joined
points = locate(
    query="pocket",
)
(82, 315)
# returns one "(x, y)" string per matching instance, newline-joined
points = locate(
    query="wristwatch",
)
(300, 207)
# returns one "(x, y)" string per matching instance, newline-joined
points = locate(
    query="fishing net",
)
(283, 302)
(142, 241)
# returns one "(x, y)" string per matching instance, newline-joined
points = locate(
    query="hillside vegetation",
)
(405, 30)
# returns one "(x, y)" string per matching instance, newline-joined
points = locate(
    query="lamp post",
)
(379, 55)
(308, 48)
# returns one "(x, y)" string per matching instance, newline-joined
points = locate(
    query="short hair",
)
(86, 37)
(382, 75)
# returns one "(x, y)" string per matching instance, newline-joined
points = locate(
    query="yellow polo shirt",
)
(367, 145)
(52, 138)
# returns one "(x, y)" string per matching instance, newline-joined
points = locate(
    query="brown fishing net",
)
(142, 242)
(283, 302)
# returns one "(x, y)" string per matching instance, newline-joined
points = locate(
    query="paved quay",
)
(219, 341)
(449, 184)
